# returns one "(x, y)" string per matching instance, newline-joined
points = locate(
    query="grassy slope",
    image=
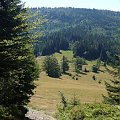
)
(85, 88)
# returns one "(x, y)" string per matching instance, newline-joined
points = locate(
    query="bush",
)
(69, 110)
(76, 111)
(94, 68)
(81, 61)
(101, 112)
(78, 64)
(51, 66)
(90, 112)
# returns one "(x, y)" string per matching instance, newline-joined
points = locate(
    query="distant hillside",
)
(59, 18)
(88, 32)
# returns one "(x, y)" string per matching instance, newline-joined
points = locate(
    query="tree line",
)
(85, 31)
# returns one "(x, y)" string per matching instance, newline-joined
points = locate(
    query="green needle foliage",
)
(18, 67)
(113, 88)
(86, 111)
(64, 65)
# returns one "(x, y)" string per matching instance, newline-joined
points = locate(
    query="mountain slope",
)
(88, 32)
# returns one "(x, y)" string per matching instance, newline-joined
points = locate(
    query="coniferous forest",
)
(73, 50)
(90, 33)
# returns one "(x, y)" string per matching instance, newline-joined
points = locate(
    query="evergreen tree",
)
(51, 66)
(79, 62)
(95, 68)
(64, 65)
(113, 89)
(18, 67)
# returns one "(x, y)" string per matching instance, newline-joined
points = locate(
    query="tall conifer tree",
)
(18, 68)
(64, 65)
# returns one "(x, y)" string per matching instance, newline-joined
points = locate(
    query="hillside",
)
(60, 18)
(90, 33)
(86, 89)
(59, 63)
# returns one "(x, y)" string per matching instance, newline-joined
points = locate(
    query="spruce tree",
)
(18, 67)
(113, 88)
(64, 65)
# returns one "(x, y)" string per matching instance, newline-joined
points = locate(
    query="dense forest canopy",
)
(90, 33)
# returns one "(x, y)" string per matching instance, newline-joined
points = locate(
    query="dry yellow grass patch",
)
(86, 89)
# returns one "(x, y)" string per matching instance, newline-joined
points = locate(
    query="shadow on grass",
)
(83, 73)
(97, 72)
(67, 73)
(102, 71)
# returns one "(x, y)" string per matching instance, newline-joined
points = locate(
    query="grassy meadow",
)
(86, 89)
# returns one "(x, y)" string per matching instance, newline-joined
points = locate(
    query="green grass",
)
(68, 54)
(47, 97)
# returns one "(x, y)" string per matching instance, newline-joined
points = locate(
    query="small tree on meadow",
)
(94, 68)
(51, 66)
(64, 65)
(79, 62)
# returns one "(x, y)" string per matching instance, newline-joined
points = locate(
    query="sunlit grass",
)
(85, 88)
